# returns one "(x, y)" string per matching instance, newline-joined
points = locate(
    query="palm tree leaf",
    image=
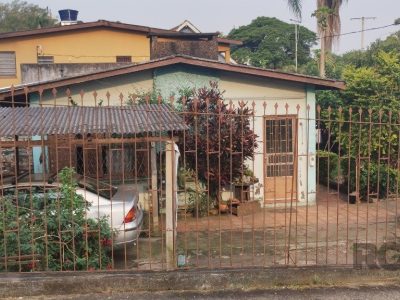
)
(295, 7)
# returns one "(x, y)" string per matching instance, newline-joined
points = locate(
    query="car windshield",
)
(98, 187)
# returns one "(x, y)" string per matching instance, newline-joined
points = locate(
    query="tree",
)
(333, 21)
(372, 93)
(20, 15)
(336, 64)
(333, 66)
(220, 138)
(269, 42)
(375, 88)
(328, 23)
(333, 26)
(322, 14)
(390, 44)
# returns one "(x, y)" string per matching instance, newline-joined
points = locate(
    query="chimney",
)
(68, 16)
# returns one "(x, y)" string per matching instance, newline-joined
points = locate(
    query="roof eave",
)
(83, 26)
(229, 41)
(184, 34)
(319, 83)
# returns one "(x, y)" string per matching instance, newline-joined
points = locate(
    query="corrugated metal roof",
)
(30, 121)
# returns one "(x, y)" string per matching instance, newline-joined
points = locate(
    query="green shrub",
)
(381, 179)
(328, 168)
(50, 231)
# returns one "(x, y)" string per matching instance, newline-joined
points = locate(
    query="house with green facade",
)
(283, 105)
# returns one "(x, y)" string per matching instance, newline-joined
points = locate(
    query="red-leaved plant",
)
(220, 137)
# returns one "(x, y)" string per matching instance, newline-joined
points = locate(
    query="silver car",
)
(120, 205)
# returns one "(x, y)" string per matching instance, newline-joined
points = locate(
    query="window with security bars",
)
(120, 161)
(7, 63)
(124, 59)
(279, 147)
(45, 59)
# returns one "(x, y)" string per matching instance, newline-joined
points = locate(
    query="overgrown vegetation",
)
(375, 180)
(50, 231)
(144, 97)
(363, 120)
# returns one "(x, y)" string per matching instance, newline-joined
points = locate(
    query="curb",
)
(68, 283)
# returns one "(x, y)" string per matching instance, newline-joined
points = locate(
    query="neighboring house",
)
(74, 48)
(224, 46)
(186, 27)
(279, 98)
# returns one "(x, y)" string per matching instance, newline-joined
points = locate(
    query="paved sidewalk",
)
(344, 293)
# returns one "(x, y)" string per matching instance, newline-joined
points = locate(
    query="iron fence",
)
(194, 182)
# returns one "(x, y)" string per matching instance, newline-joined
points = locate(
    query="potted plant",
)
(247, 178)
(186, 177)
(198, 201)
(242, 184)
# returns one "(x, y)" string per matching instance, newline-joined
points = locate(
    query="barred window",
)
(42, 59)
(124, 59)
(7, 63)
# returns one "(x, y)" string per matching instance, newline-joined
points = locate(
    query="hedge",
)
(382, 180)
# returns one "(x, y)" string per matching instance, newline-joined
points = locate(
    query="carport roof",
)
(136, 119)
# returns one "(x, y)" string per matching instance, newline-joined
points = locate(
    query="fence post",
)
(170, 204)
(154, 186)
(311, 140)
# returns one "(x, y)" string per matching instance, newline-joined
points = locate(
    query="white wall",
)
(271, 97)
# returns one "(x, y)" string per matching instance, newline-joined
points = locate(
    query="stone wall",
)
(197, 48)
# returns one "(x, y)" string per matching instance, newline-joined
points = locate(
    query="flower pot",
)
(223, 207)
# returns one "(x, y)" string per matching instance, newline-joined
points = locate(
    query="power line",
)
(358, 31)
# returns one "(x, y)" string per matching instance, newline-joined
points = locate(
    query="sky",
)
(223, 15)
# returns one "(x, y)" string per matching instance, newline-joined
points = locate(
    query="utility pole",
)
(363, 27)
(296, 33)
